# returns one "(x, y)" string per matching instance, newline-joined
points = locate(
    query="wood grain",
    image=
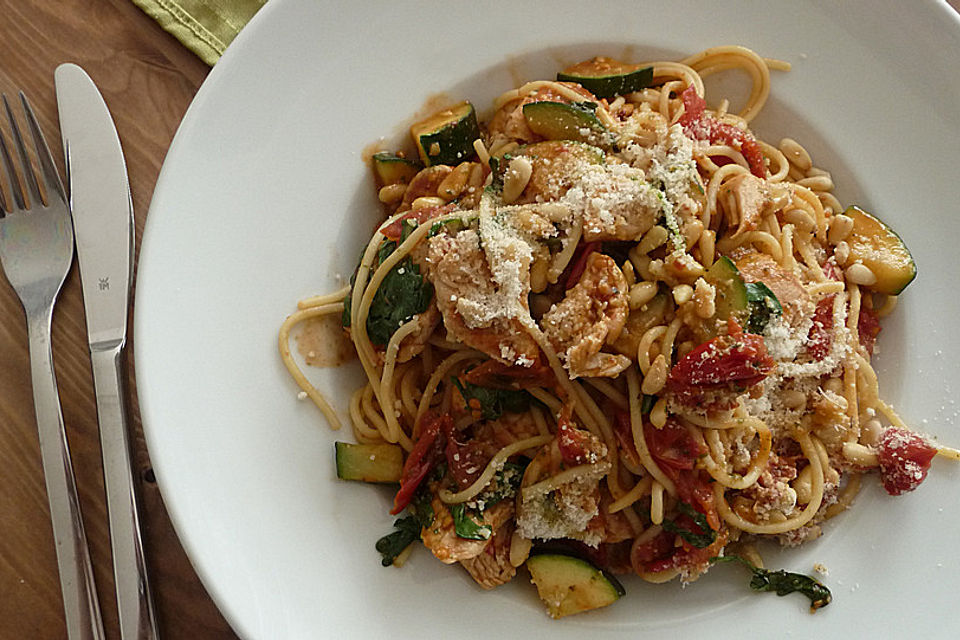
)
(148, 79)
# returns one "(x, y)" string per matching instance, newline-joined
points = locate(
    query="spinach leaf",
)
(453, 225)
(422, 509)
(698, 540)
(784, 582)
(762, 304)
(646, 405)
(504, 485)
(467, 527)
(403, 294)
(493, 402)
(392, 544)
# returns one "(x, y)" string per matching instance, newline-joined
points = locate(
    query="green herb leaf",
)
(467, 527)
(784, 582)
(504, 485)
(763, 304)
(422, 509)
(493, 402)
(698, 540)
(403, 294)
(392, 544)
(646, 405)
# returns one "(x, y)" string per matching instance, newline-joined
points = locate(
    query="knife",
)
(102, 213)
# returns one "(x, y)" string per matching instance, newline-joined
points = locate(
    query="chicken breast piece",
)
(591, 315)
(475, 309)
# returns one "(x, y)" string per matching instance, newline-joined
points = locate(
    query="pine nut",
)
(817, 183)
(658, 415)
(516, 178)
(707, 244)
(641, 293)
(796, 154)
(860, 455)
(656, 377)
(705, 299)
(794, 399)
(691, 232)
(628, 273)
(538, 275)
(392, 193)
(455, 182)
(654, 238)
(842, 252)
(870, 431)
(840, 228)
(833, 385)
(859, 273)
(424, 202)
(682, 293)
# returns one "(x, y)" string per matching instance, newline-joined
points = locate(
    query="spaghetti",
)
(623, 325)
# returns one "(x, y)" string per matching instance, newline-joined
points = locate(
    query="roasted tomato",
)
(904, 460)
(573, 442)
(868, 327)
(731, 362)
(821, 331)
(427, 451)
(497, 375)
(703, 127)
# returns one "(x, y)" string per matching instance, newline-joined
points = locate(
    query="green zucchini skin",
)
(447, 136)
(731, 300)
(873, 243)
(380, 463)
(562, 121)
(611, 85)
(569, 585)
(392, 169)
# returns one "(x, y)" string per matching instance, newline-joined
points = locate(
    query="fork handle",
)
(81, 607)
(134, 601)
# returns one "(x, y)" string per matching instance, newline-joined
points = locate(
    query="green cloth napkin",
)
(205, 27)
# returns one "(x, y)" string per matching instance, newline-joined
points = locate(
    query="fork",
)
(36, 249)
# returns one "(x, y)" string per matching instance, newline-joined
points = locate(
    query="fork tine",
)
(7, 163)
(28, 175)
(51, 176)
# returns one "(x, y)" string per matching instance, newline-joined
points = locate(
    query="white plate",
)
(264, 199)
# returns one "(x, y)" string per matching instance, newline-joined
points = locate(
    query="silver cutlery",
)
(103, 222)
(36, 249)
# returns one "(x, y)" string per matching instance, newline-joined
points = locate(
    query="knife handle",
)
(80, 604)
(134, 600)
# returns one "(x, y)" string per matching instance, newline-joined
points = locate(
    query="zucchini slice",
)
(606, 77)
(569, 585)
(369, 462)
(392, 169)
(879, 247)
(447, 136)
(731, 291)
(562, 121)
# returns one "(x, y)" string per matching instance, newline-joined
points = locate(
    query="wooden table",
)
(148, 79)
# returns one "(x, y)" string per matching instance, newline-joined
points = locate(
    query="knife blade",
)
(102, 211)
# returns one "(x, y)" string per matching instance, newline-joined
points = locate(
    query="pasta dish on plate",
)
(610, 330)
